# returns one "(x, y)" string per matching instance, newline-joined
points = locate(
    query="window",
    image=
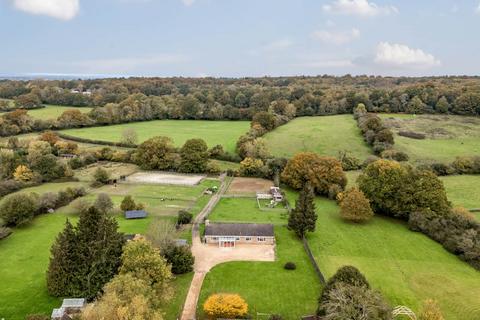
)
(248, 238)
(260, 239)
(237, 239)
(214, 238)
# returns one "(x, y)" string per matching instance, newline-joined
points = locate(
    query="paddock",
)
(248, 186)
(158, 177)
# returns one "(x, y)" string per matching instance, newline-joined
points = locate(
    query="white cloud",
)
(359, 8)
(60, 9)
(400, 56)
(336, 37)
(188, 3)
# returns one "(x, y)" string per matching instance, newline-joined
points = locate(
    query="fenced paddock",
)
(165, 178)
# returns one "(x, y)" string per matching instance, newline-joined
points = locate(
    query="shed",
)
(135, 214)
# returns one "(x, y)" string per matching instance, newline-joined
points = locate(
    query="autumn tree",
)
(354, 206)
(101, 176)
(194, 156)
(264, 119)
(398, 190)
(143, 261)
(49, 136)
(321, 172)
(251, 167)
(156, 153)
(23, 174)
(226, 306)
(303, 217)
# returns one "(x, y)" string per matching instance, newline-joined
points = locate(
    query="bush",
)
(180, 258)
(393, 154)
(19, 209)
(224, 305)
(290, 266)
(464, 165)
(346, 301)
(101, 176)
(184, 217)
(103, 203)
(458, 234)
(355, 207)
(442, 169)
(128, 204)
(349, 162)
(321, 172)
(251, 167)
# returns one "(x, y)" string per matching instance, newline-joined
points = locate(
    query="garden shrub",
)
(180, 258)
(128, 204)
(101, 176)
(224, 305)
(354, 206)
(290, 266)
(184, 217)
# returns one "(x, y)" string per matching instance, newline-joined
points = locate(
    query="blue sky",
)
(238, 38)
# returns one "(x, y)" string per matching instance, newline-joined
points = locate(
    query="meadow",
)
(407, 267)
(52, 112)
(447, 136)
(224, 133)
(325, 135)
(24, 255)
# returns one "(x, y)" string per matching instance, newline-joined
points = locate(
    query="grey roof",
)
(135, 214)
(57, 313)
(73, 303)
(239, 229)
(181, 242)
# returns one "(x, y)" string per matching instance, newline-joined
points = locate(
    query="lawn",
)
(463, 190)
(406, 267)
(25, 254)
(447, 136)
(224, 133)
(267, 286)
(245, 210)
(53, 112)
(326, 135)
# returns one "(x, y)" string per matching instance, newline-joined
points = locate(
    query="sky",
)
(239, 38)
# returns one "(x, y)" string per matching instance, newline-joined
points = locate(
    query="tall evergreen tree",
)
(86, 257)
(303, 217)
(63, 261)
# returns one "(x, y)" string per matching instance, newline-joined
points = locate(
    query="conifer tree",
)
(84, 258)
(63, 262)
(303, 217)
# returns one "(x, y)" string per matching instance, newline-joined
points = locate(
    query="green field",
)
(24, 255)
(407, 267)
(224, 133)
(53, 112)
(448, 136)
(246, 210)
(267, 286)
(463, 190)
(325, 135)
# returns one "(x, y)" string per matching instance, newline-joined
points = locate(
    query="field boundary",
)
(313, 261)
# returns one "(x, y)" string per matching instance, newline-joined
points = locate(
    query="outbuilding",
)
(135, 214)
(229, 234)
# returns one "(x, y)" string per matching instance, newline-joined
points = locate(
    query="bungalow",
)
(229, 234)
(135, 214)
